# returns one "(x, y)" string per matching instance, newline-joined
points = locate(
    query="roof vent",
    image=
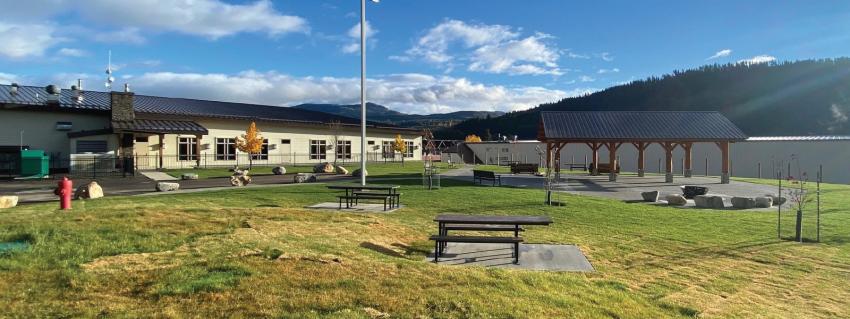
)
(53, 93)
(13, 89)
(78, 91)
(126, 88)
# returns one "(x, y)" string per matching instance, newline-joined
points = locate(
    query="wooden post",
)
(548, 157)
(612, 160)
(558, 156)
(724, 154)
(594, 170)
(198, 151)
(161, 148)
(668, 162)
(641, 164)
(688, 159)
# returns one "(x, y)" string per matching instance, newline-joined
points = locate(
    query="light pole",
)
(363, 91)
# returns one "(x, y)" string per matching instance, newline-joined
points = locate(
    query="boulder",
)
(167, 186)
(692, 191)
(356, 173)
(778, 201)
(702, 201)
(300, 178)
(743, 202)
(240, 180)
(341, 170)
(650, 196)
(716, 202)
(280, 170)
(764, 202)
(89, 191)
(312, 179)
(8, 201)
(188, 176)
(676, 200)
(323, 168)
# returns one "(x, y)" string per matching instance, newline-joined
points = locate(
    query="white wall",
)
(745, 157)
(40, 129)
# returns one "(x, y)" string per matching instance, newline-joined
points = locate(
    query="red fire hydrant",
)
(64, 189)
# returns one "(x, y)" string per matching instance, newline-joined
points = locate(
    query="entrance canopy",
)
(611, 129)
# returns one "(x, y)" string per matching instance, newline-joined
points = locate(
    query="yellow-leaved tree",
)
(400, 146)
(251, 142)
(472, 138)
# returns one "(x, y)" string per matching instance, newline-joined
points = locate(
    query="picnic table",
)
(447, 222)
(354, 193)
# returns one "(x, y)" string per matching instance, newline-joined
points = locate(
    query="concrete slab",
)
(158, 176)
(360, 208)
(531, 256)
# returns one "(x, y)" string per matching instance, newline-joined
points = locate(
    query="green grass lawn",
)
(258, 253)
(409, 168)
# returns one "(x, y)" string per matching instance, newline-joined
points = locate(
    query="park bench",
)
(395, 197)
(440, 241)
(603, 168)
(519, 168)
(354, 193)
(355, 199)
(479, 176)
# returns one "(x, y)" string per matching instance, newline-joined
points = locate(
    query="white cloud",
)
(758, 59)
(6, 78)
(720, 54)
(605, 71)
(412, 93)
(129, 35)
(354, 38)
(605, 56)
(69, 52)
(26, 40)
(585, 78)
(487, 48)
(208, 18)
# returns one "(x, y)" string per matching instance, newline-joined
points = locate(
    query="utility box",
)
(34, 164)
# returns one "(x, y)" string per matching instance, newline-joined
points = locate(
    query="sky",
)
(422, 56)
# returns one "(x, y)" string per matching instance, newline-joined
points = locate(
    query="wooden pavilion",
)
(612, 129)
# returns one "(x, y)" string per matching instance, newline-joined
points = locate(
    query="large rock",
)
(743, 202)
(189, 176)
(341, 170)
(323, 168)
(692, 191)
(167, 186)
(240, 180)
(778, 201)
(89, 191)
(280, 170)
(650, 196)
(676, 200)
(8, 201)
(300, 178)
(356, 173)
(764, 202)
(702, 201)
(716, 202)
(312, 179)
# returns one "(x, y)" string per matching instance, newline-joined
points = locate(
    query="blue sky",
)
(424, 56)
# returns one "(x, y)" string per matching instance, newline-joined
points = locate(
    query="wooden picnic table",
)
(351, 194)
(448, 222)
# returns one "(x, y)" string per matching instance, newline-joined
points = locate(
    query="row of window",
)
(225, 149)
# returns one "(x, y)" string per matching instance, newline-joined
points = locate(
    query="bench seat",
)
(475, 239)
(356, 198)
(482, 227)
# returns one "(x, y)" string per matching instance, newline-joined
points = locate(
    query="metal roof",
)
(799, 138)
(159, 126)
(638, 126)
(100, 101)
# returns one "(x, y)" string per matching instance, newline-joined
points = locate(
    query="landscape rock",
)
(280, 170)
(650, 196)
(300, 178)
(341, 170)
(716, 202)
(167, 186)
(8, 201)
(189, 176)
(240, 180)
(356, 173)
(743, 202)
(692, 191)
(702, 201)
(89, 191)
(323, 168)
(764, 202)
(312, 179)
(778, 201)
(676, 200)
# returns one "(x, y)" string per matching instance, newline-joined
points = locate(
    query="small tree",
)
(472, 138)
(251, 142)
(336, 132)
(400, 146)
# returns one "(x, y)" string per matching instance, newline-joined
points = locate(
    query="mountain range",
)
(380, 113)
(809, 97)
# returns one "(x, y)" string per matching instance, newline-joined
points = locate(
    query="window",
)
(187, 148)
(285, 141)
(318, 149)
(264, 151)
(225, 149)
(343, 150)
(408, 152)
(141, 139)
(370, 142)
(91, 147)
(387, 149)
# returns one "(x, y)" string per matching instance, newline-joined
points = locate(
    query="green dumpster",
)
(34, 164)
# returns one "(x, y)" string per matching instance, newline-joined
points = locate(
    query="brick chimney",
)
(122, 106)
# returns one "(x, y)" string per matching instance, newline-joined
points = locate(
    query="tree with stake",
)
(251, 142)
(400, 146)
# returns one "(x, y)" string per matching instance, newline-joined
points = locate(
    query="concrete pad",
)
(158, 176)
(531, 256)
(360, 208)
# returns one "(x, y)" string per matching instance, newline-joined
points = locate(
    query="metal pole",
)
(363, 91)
(820, 177)
(779, 204)
(759, 165)
(706, 166)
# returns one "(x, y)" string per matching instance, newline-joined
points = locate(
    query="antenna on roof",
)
(109, 77)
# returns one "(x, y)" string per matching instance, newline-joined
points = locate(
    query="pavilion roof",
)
(628, 126)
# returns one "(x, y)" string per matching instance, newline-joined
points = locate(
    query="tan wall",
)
(40, 129)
